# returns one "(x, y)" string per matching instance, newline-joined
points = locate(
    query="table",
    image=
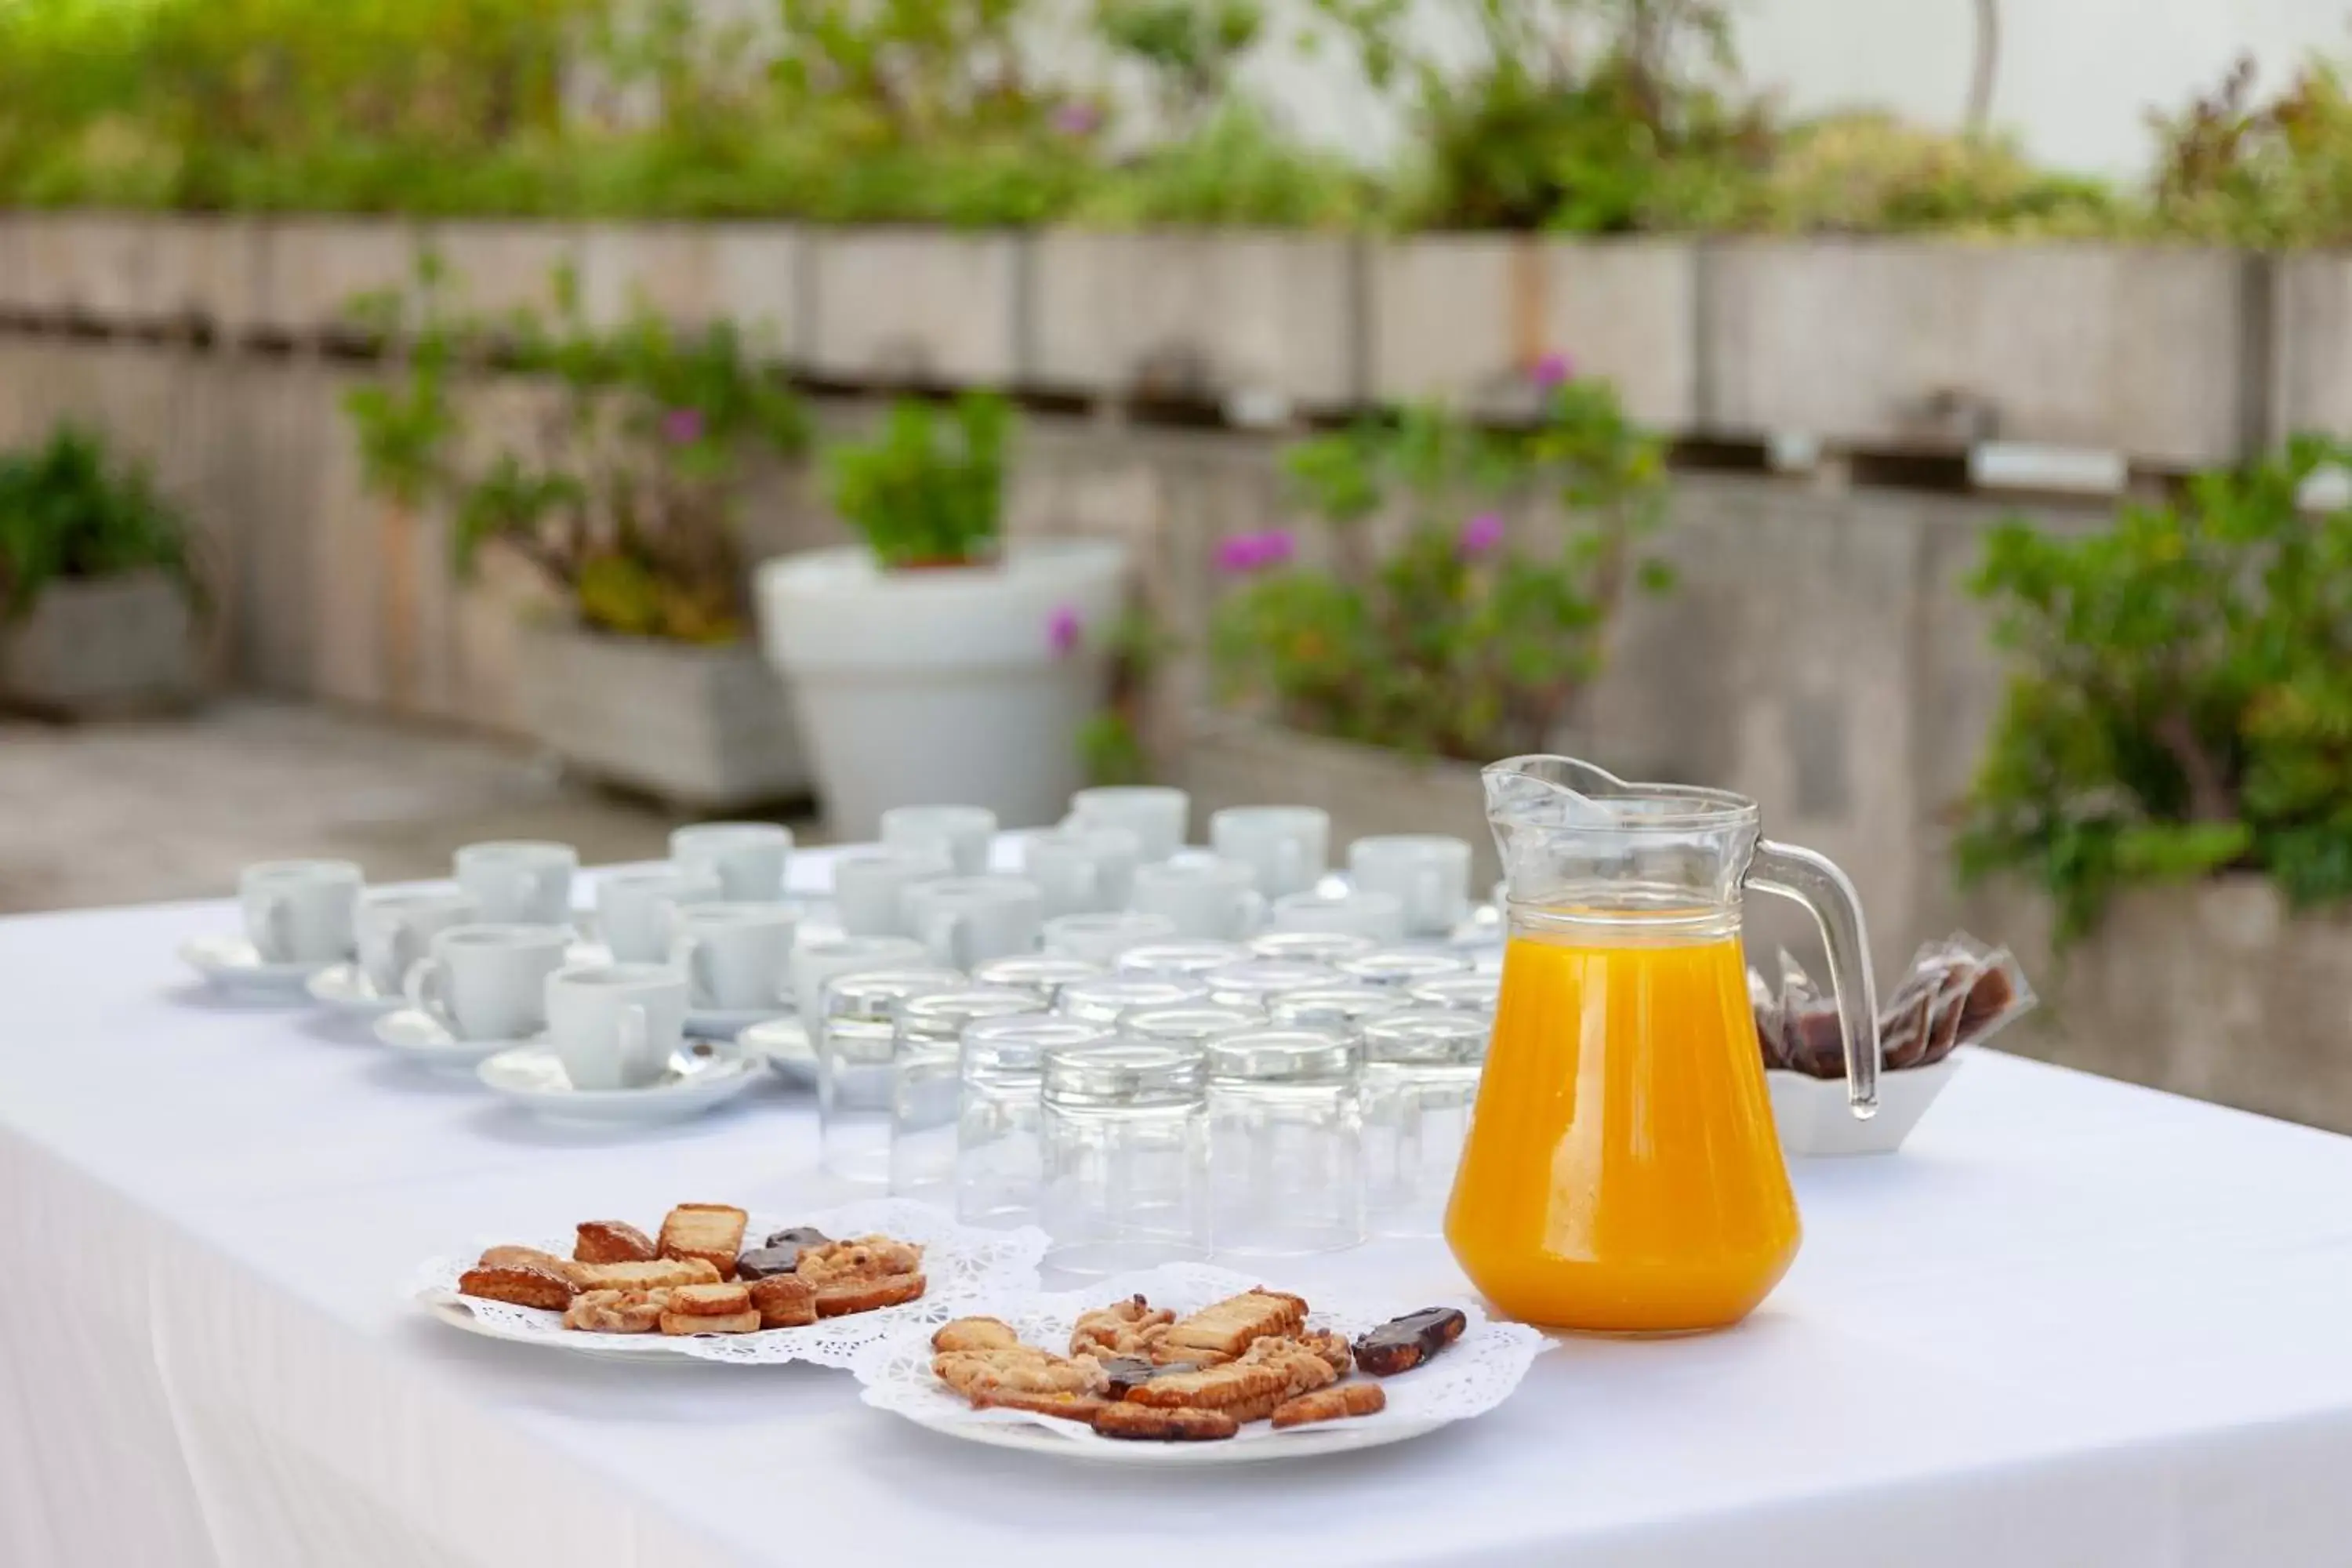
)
(2073, 1323)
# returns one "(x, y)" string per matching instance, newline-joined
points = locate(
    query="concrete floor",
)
(129, 813)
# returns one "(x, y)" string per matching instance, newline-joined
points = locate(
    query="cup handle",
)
(1090, 885)
(1814, 881)
(1290, 863)
(1249, 911)
(426, 987)
(1429, 895)
(692, 954)
(943, 935)
(636, 1032)
(276, 925)
(404, 956)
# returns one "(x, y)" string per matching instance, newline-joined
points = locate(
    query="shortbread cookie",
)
(1235, 1383)
(612, 1241)
(724, 1300)
(1332, 1347)
(524, 1257)
(866, 1295)
(1023, 1369)
(712, 1232)
(783, 1302)
(1149, 1424)
(867, 1258)
(1067, 1406)
(519, 1285)
(617, 1312)
(658, 1274)
(975, 1334)
(1226, 1328)
(687, 1323)
(1332, 1405)
(1124, 1327)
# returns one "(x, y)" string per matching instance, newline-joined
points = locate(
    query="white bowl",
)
(1813, 1118)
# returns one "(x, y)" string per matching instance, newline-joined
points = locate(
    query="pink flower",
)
(1252, 552)
(682, 426)
(1062, 630)
(1078, 118)
(1553, 370)
(1479, 535)
(1276, 547)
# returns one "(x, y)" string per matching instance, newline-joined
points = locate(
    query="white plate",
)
(347, 988)
(423, 1038)
(698, 1077)
(232, 964)
(725, 1024)
(1470, 1377)
(784, 1045)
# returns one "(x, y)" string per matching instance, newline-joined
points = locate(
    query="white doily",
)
(962, 1264)
(1469, 1377)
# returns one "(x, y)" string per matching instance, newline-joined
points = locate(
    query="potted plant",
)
(621, 499)
(98, 597)
(937, 662)
(2170, 779)
(1433, 631)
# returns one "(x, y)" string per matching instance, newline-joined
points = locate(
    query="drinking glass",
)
(1283, 1133)
(1472, 993)
(854, 1047)
(1254, 982)
(1102, 938)
(1193, 1024)
(1042, 973)
(926, 1078)
(1419, 1081)
(1311, 946)
(1178, 960)
(1000, 1155)
(1403, 967)
(1343, 1007)
(1124, 1131)
(1105, 1000)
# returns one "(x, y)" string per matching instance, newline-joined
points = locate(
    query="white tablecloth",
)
(2073, 1323)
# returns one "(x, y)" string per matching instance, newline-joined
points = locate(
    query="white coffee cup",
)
(489, 982)
(816, 962)
(395, 927)
(1101, 938)
(1376, 916)
(870, 888)
(519, 881)
(1289, 846)
(964, 921)
(749, 858)
(301, 912)
(1202, 896)
(1082, 871)
(636, 906)
(736, 957)
(1155, 814)
(961, 831)
(1428, 872)
(615, 1024)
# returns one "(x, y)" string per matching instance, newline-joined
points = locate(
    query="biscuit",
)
(1303, 1368)
(1068, 1407)
(1332, 1347)
(710, 1301)
(1022, 1370)
(1332, 1405)
(712, 1232)
(1145, 1424)
(1124, 1327)
(1402, 1343)
(867, 1258)
(857, 1295)
(612, 1241)
(617, 1312)
(658, 1274)
(683, 1323)
(524, 1257)
(783, 1302)
(517, 1286)
(975, 1334)
(1226, 1328)
(1234, 1384)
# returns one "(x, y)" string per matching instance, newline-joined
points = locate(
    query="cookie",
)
(611, 1241)
(1333, 1403)
(1148, 1424)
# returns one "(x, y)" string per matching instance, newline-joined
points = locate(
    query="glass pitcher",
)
(1622, 1173)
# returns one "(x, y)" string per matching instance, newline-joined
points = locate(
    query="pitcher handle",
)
(1814, 881)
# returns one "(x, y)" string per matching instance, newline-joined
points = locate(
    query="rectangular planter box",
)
(1935, 345)
(1227, 761)
(307, 271)
(497, 268)
(1465, 317)
(704, 728)
(2310, 345)
(101, 647)
(1231, 318)
(2216, 990)
(695, 274)
(914, 306)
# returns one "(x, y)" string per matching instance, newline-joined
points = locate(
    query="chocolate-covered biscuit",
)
(1132, 1372)
(763, 1262)
(798, 1235)
(1402, 1343)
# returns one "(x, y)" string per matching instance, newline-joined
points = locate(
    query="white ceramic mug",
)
(1428, 872)
(1082, 871)
(489, 982)
(519, 881)
(960, 832)
(749, 858)
(395, 927)
(814, 962)
(1101, 938)
(1376, 916)
(635, 907)
(1155, 814)
(615, 1024)
(964, 921)
(737, 958)
(870, 888)
(1289, 846)
(301, 912)
(1202, 897)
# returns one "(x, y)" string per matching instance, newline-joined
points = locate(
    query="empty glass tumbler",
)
(1178, 959)
(1190, 1024)
(1000, 1155)
(1285, 1131)
(1418, 1083)
(1472, 992)
(1311, 946)
(1403, 967)
(1343, 1007)
(926, 1079)
(855, 1045)
(1125, 1139)
(1104, 1001)
(1256, 981)
(1042, 973)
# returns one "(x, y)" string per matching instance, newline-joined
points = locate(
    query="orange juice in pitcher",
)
(1622, 1173)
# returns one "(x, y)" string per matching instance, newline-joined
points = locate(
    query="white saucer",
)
(699, 1076)
(422, 1038)
(784, 1043)
(233, 963)
(348, 988)
(726, 1023)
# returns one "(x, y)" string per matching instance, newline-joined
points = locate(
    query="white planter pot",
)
(104, 645)
(942, 686)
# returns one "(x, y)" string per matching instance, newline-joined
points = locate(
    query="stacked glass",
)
(1124, 1143)
(999, 1158)
(926, 1081)
(1419, 1082)
(856, 1042)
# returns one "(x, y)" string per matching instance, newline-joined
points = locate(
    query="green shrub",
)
(70, 511)
(2239, 171)
(2183, 695)
(928, 488)
(1869, 173)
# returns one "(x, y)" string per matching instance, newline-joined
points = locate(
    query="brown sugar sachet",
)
(1955, 993)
